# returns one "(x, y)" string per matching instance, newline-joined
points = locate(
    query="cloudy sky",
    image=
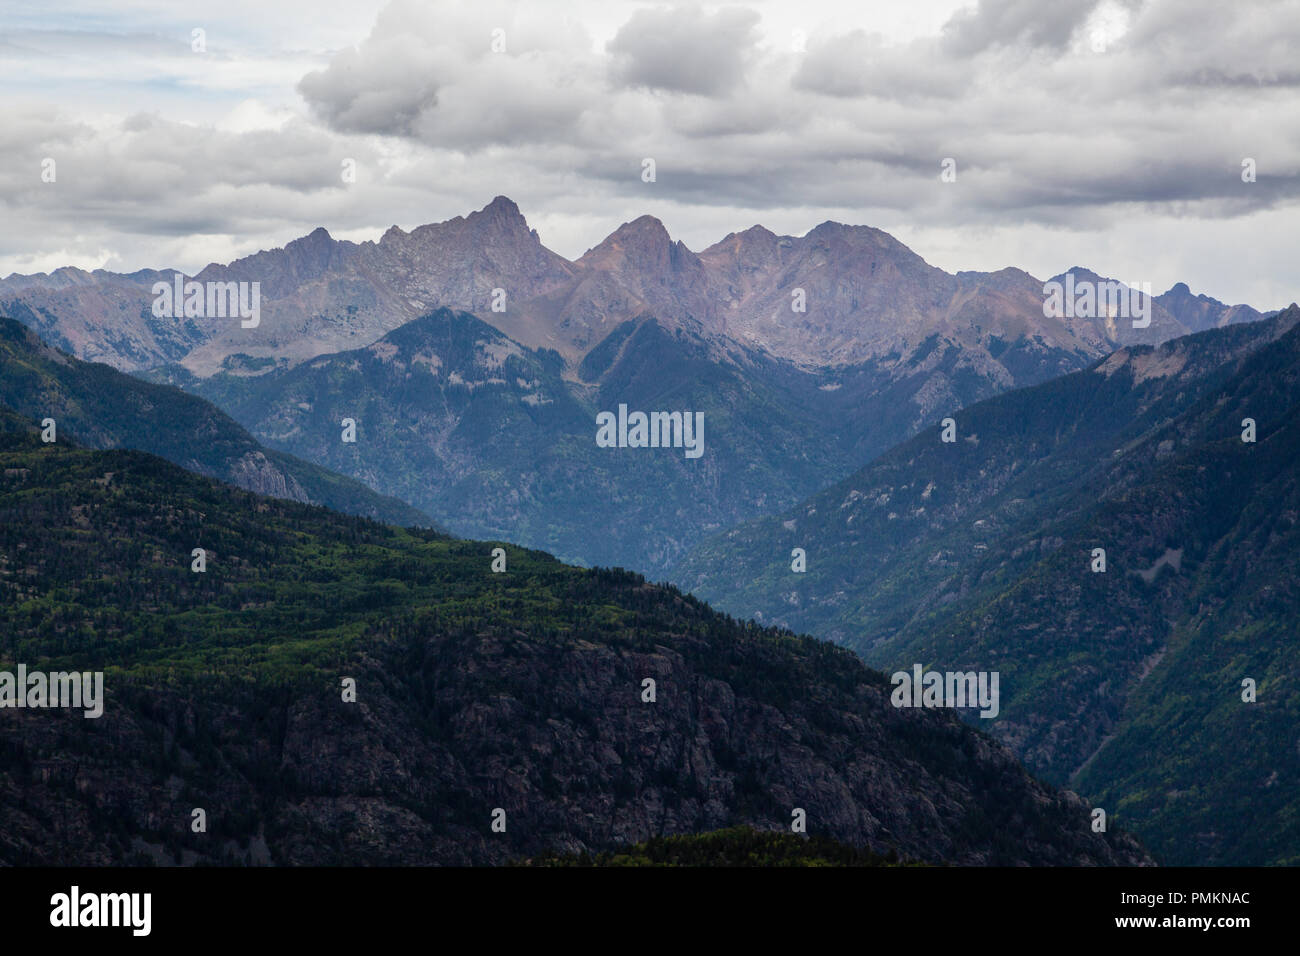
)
(1103, 133)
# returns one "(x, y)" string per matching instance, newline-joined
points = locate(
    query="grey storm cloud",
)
(1205, 43)
(459, 76)
(1046, 132)
(1039, 124)
(858, 64)
(369, 94)
(685, 49)
(1008, 22)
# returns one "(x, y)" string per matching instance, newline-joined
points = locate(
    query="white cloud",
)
(685, 50)
(170, 158)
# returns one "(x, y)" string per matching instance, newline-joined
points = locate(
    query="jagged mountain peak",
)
(831, 232)
(642, 257)
(1007, 274)
(499, 223)
(865, 295)
(645, 236)
(644, 224)
(315, 237)
(1200, 312)
(286, 268)
(835, 227)
(756, 242)
(316, 249)
(500, 208)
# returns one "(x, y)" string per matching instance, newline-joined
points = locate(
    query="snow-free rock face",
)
(838, 296)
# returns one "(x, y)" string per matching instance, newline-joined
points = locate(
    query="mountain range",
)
(485, 419)
(867, 297)
(1070, 434)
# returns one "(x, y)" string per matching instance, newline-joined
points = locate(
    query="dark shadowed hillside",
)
(1126, 684)
(475, 691)
(100, 407)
